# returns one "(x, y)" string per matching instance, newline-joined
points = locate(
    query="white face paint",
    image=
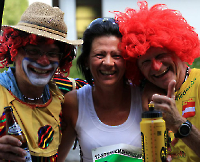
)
(37, 74)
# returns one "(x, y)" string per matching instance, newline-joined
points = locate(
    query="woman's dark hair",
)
(98, 27)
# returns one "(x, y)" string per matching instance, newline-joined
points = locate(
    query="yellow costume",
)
(188, 104)
(40, 123)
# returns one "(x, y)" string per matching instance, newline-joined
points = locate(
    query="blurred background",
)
(79, 13)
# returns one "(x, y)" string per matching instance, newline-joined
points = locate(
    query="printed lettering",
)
(180, 96)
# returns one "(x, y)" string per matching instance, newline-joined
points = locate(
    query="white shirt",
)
(92, 133)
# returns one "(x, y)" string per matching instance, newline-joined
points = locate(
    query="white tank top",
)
(92, 133)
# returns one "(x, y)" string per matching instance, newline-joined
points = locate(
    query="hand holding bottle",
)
(13, 145)
(10, 149)
(167, 105)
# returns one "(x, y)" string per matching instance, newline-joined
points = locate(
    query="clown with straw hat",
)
(39, 47)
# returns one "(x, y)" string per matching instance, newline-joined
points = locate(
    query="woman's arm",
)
(69, 118)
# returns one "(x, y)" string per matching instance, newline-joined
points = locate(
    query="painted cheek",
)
(43, 60)
(156, 65)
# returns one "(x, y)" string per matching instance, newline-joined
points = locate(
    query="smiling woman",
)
(105, 114)
(105, 61)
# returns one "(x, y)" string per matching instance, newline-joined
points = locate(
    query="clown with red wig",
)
(158, 44)
(38, 48)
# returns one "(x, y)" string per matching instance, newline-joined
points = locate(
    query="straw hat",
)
(43, 20)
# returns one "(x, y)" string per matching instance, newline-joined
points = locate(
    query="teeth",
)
(38, 71)
(107, 72)
(161, 73)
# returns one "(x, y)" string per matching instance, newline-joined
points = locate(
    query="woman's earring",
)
(86, 68)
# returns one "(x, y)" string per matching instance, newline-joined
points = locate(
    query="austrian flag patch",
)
(188, 109)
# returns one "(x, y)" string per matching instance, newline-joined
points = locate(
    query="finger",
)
(162, 107)
(8, 139)
(151, 102)
(171, 89)
(9, 144)
(12, 149)
(12, 157)
(161, 99)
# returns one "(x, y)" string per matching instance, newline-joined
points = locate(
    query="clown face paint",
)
(38, 75)
(160, 66)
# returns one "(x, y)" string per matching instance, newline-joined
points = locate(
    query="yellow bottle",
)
(153, 135)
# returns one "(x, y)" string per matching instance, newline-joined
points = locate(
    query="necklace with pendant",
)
(186, 74)
(33, 99)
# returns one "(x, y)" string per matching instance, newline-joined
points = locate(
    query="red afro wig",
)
(12, 39)
(154, 27)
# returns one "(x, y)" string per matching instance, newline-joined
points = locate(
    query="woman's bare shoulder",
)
(70, 105)
(71, 97)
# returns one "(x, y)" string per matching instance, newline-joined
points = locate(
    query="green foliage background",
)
(74, 72)
(13, 10)
(196, 63)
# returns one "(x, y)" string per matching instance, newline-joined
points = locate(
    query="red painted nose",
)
(43, 60)
(156, 65)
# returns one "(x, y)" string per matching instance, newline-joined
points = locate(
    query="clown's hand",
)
(167, 105)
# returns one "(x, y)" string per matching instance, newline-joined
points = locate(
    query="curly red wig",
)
(13, 39)
(155, 27)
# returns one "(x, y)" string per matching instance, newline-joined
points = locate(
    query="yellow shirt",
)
(40, 123)
(188, 104)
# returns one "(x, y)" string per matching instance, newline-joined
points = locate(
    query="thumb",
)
(171, 89)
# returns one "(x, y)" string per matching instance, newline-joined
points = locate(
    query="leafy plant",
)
(13, 9)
